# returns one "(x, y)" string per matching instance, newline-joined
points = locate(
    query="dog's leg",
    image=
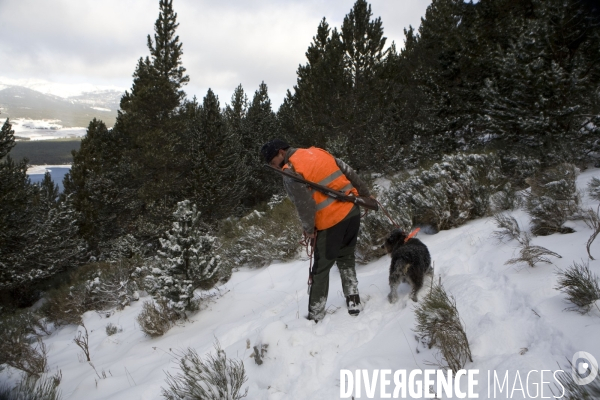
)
(430, 271)
(413, 292)
(430, 274)
(395, 280)
(416, 281)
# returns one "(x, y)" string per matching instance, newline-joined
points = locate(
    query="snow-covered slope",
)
(515, 321)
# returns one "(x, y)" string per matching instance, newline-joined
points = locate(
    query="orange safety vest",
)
(317, 165)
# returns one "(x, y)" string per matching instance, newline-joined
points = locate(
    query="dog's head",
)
(396, 238)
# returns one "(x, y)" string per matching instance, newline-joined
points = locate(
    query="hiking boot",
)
(353, 303)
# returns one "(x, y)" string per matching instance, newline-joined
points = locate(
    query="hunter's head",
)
(274, 152)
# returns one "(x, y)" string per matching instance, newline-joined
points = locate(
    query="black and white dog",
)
(410, 263)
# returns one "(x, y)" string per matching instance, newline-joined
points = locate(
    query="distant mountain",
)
(107, 99)
(76, 111)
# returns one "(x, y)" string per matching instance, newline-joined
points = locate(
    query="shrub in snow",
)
(451, 192)
(112, 286)
(20, 346)
(259, 353)
(187, 260)
(261, 237)
(505, 199)
(581, 287)
(594, 188)
(120, 248)
(518, 168)
(157, 318)
(66, 304)
(531, 255)
(34, 388)
(509, 228)
(552, 200)
(111, 329)
(214, 378)
(375, 227)
(97, 286)
(439, 324)
(83, 341)
(568, 389)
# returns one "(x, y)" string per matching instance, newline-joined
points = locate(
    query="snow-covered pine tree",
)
(451, 192)
(439, 69)
(553, 199)
(258, 238)
(56, 245)
(38, 235)
(539, 100)
(187, 259)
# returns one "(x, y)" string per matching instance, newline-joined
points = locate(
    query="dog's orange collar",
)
(412, 234)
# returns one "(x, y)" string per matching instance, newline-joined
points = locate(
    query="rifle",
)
(366, 202)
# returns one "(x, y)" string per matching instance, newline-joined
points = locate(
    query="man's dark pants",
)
(334, 245)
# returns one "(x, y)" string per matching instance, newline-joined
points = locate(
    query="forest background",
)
(517, 80)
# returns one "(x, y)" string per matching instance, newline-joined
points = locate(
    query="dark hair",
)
(270, 149)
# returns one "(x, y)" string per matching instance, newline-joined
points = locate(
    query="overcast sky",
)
(78, 43)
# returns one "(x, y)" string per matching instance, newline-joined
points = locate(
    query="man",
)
(331, 223)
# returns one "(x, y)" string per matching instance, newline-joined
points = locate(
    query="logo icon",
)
(582, 364)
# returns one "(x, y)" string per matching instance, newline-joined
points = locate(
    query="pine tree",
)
(337, 101)
(17, 209)
(156, 92)
(261, 126)
(151, 122)
(236, 117)
(38, 235)
(320, 93)
(187, 259)
(538, 102)
(48, 194)
(126, 181)
(218, 176)
(98, 183)
(235, 113)
(7, 139)
(443, 59)
(363, 46)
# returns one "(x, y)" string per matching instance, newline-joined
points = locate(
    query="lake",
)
(56, 173)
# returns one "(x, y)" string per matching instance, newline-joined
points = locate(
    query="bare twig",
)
(83, 342)
(592, 219)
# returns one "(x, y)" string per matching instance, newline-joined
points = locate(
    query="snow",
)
(44, 129)
(42, 169)
(515, 320)
(57, 89)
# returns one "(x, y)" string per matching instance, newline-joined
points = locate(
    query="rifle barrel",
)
(366, 202)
